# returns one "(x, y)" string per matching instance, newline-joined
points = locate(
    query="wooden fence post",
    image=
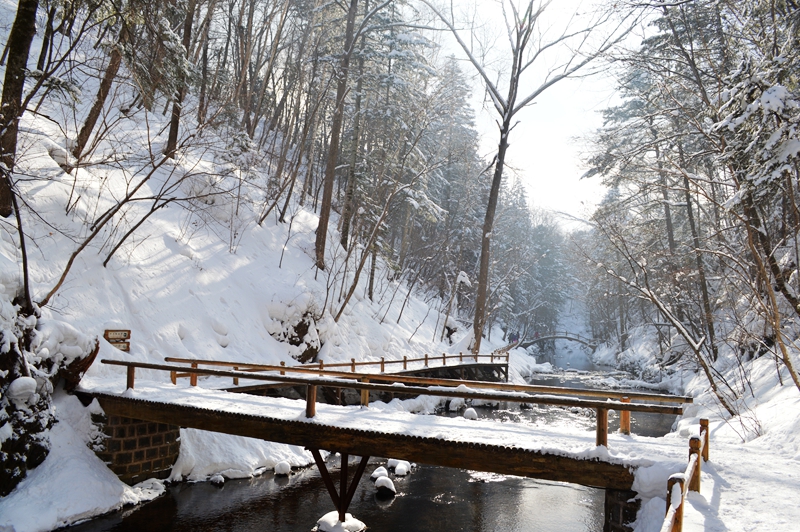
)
(625, 418)
(131, 377)
(677, 524)
(426, 360)
(461, 357)
(173, 376)
(704, 435)
(602, 427)
(311, 400)
(353, 365)
(694, 448)
(383, 368)
(236, 379)
(405, 362)
(444, 359)
(283, 364)
(321, 367)
(365, 395)
(193, 376)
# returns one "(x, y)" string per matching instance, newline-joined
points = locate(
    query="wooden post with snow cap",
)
(694, 449)
(311, 400)
(704, 435)
(131, 377)
(625, 418)
(677, 521)
(365, 394)
(602, 427)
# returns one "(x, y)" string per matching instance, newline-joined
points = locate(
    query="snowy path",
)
(758, 493)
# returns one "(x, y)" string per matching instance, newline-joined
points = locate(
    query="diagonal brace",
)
(344, 496)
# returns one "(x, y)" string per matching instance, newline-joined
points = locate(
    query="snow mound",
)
(330, 523)
(470, 413)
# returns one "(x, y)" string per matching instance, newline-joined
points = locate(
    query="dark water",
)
(429, 499)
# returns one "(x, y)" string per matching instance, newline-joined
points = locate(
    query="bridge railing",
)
(426, 360)
(362, 384)
(678, 488)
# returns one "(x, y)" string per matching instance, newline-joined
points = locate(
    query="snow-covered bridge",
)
(564, 454)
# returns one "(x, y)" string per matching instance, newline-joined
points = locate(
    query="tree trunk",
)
(175, 121)
(102, 93)
(333, 148)
(18, 47)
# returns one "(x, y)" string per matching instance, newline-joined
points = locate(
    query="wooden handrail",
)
(405, 379)
(698, 448)
(518, 397)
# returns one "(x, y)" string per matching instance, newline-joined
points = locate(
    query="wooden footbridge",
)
(566, 335)
(508, 448)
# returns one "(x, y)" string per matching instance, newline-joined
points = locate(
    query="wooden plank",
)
(433, 451)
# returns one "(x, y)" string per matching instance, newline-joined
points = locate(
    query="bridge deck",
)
(560, 453)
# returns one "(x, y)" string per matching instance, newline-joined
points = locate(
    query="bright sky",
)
(545, 149)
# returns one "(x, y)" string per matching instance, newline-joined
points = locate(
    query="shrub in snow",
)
(297, 328)
(385, 487)
(34, 355)
(470, 413)
(283, 468)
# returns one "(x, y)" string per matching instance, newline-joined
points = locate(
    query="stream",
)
(429, 499)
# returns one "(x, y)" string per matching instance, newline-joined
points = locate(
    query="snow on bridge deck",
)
(552, 452)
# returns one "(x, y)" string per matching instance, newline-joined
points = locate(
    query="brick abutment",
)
(136, 450)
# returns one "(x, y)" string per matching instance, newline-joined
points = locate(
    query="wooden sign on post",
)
(118, 338)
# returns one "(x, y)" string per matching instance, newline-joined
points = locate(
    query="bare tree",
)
(528, 49)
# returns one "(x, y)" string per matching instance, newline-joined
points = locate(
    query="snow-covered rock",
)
(385, 486)
(470, 413)
(330, 523)
(283, 468)
(380, 471)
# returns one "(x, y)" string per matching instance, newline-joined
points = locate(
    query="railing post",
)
(236, 379)
(283, 364)
(353, 365)
(694, 448)
(444, 359)
(677, 523)
(131, 377)
(461, 357)
(491, 359)
(405, 362)
(193, 376)
(625, 418)
(704, 435)
(383, 363)
(173, 376)
(311, 400)
(365, 394)
(426, 360)
(602, 427)
(321, 367)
